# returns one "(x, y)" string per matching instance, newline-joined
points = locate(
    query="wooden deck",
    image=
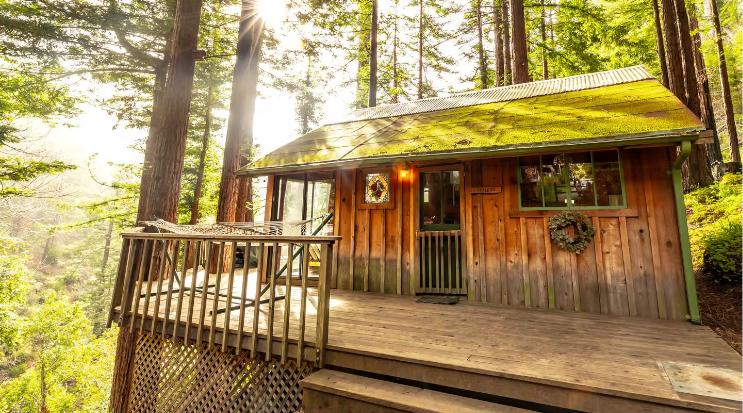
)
(585, 362)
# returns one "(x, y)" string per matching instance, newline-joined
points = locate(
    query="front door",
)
(439, 236)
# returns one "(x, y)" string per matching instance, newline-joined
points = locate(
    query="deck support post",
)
(678, 194)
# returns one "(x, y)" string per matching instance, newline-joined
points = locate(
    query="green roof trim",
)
(622, 114)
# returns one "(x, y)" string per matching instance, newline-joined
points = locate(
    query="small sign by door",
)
(485, 190)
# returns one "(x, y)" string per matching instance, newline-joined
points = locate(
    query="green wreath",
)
(584, 231)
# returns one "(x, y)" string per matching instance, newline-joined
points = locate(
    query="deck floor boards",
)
(606, 354)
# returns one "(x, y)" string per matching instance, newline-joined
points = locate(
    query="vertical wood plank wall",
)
(633, 267)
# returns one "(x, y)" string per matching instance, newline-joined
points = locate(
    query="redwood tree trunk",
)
(247, 42)
(690, 77)
(420, 50)
(518, 29)
(714, 154)
(507, 59)
(483, 68)
(123, 371)
(545, 68)
(498, 43)
(373, 56)
(145, 186)
(170, 145)
(245, 188)
(673, 50)
(725, 83)
(395, 98)
(659, 44)
(202, 159)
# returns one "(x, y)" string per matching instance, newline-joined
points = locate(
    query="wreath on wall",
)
(583, 231)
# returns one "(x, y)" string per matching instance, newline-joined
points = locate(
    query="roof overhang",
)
(698, 135)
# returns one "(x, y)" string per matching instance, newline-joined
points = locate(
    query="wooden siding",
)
(633, 267)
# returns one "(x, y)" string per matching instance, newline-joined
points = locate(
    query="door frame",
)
(415, 206)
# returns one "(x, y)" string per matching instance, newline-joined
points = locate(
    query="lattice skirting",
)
(172, 377)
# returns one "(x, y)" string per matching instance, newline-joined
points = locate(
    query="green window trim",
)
(569, 192)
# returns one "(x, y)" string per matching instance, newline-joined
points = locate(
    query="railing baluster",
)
(182, 285)
(230, 285)
(271, 300)
(140, 279)
(456, 261)
(217, 292)
(192, 292)
(139, 259)
(243, 297)
(204, 291)
(118, 283)
(257, 302)
(429, 269)
(128, 287)
(323, 303)
(171, 277)
(150, 274)
(303, 304)
(160, 275)
(287, 302)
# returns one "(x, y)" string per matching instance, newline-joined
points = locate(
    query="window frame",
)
(440, 227)
(361, 187)
(569, 206)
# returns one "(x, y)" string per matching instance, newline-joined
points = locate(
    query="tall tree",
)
(420, 49)
(659, 44)
(248, 52)
(520, 64)
(483, 66)
(498, 43)
(431, 33)
(543, 32)
(373, 55)
(507, 57)
(725, 86)
(170, 145)
(706, 110)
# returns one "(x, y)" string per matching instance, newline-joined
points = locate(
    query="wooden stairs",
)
(329, 391)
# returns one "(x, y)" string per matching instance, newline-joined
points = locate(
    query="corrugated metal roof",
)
(618, 106)
(504, 93)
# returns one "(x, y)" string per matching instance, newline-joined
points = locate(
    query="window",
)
(582, 180)
(439, 200)
(376, 188)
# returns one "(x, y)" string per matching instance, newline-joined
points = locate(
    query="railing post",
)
(323, 302)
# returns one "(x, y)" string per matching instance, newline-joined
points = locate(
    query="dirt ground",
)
(720, 305)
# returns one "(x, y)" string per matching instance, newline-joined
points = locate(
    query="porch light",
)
(404, 172)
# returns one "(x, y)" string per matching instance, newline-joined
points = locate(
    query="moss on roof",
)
(642, 107)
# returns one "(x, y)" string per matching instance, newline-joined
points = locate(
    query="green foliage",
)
(14, 280)
(722, 252)
(74, 365)
(714, 215)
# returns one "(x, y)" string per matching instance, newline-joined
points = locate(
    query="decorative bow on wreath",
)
(583, 231)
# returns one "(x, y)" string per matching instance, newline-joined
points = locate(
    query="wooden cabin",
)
(372, 220)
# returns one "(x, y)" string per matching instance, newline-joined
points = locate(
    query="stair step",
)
(329, 391)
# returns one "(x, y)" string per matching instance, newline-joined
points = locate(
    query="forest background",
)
(82, 82)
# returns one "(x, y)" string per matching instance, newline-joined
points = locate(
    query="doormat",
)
(435, 299)
(704, 381)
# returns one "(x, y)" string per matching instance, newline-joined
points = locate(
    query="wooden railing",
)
(163, 287)
(441, 269)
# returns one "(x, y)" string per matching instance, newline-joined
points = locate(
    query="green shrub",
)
(16, 371)
(707, 207)
(722, 252)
